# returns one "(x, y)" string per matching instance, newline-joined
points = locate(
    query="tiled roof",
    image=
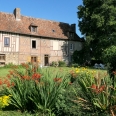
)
(46, 28)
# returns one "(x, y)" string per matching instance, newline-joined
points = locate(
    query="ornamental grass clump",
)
(36, 89)
(96, 94)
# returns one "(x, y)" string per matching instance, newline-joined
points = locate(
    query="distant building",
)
(25, 39)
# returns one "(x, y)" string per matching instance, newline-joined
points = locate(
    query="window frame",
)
(34, 58)
(35, 44)
(71, 46)
(33, 29)
(6, 41)
(2, 57)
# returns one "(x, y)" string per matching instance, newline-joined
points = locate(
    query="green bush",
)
(10, 65)
(61, 63)
(54, 64)
(109, 56)
(36, 89)
(75, 65)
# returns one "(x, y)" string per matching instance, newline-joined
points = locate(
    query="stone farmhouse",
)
(24, 39)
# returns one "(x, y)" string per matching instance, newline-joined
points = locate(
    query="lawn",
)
(5, 71)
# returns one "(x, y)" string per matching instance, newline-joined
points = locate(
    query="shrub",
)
(37, 88)
(109, 57)
(61, 63)
(10, 65)
(75, 65)
(95, 94)
(54, 63)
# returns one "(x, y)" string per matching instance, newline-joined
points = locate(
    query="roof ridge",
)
(36, 18)
(44, 19)
(6, 13)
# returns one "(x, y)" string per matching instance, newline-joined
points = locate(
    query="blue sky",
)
(56, 10)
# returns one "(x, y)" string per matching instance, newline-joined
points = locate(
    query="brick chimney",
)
(17, 14)
(73, 27)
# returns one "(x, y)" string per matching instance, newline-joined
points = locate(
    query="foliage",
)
(96, 94)
(61, 63)
(10, 65)
(97, 22)
(37, 88)
(109, 56)
(77, 57)
(74, 65)
(81, 56)
(54, 63)
(42, 92)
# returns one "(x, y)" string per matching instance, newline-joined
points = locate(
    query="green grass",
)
(17, 113)
(4, 71)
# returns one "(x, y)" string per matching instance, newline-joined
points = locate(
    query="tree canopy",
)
(97, 21)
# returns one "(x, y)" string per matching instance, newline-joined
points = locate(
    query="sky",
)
(55, 10)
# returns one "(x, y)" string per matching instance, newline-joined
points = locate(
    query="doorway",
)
(46, 59)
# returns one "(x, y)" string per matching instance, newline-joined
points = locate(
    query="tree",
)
(97, 21)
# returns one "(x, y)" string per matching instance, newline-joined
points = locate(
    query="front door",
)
(46, 60)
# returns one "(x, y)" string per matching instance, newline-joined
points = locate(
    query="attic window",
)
(33, 28)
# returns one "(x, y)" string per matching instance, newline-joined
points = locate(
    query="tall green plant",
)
(47, 93)
(96, 95)
(36, 89)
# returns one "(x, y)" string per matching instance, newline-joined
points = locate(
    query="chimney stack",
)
(73, 27)
(17, 14)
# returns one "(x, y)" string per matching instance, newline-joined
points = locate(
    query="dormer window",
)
(33, 28)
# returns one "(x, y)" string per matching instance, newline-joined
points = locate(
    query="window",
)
(71, 46)
(6, 41)
(55, 45)
(33, 28)
(33, 58)
(2, 57)
(33, 43)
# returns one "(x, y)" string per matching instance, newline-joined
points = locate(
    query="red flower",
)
(7, 83)
(114, 72)
(36, 76)
(11, 72)
(58, 79)
(93, 86)
(1, 82)
(96, 89)
(13, 84)
(102, 88)
(25, 77)
(70, 83)
(8, 76)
